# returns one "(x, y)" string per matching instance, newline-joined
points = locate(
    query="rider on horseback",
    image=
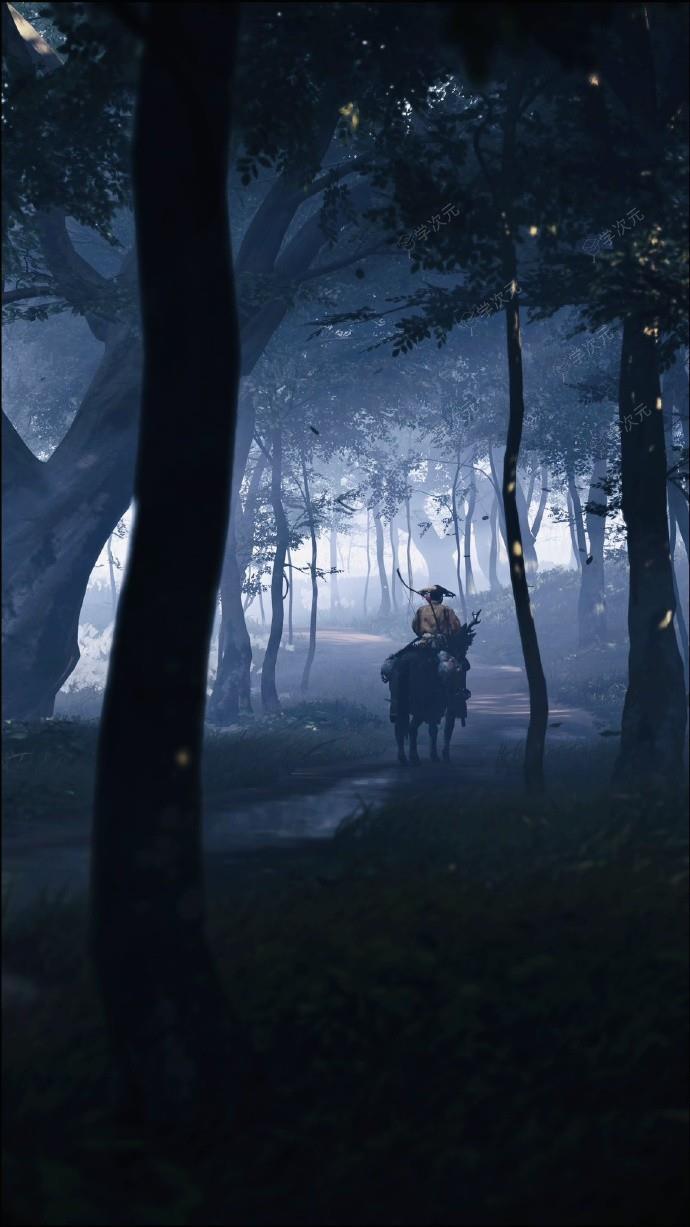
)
(435, 618)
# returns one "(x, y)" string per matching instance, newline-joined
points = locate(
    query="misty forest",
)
(345, 613)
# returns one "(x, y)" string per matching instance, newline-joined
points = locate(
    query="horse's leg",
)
(433, 738)
(448, 726)
(414, 729)
(401, 730)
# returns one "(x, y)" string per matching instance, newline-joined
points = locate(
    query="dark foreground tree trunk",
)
(385, 605)
(163, 1004)
(269, 692)
(538, 699)
(311, 648)
(591, 605)
(654, 712)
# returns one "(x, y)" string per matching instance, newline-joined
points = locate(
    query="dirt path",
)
(46, 859)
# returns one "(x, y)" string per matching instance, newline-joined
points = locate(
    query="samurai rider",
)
(427, 676)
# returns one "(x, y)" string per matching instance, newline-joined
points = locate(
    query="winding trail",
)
(42, 859)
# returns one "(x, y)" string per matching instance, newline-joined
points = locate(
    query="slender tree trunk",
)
(494, 583)
(469, 514)
(409, 542)
(681, 625)
(578, 534)
(501, 519)
(290, 634)
(536, 524)
(393, 533)
(368, 576)
(163, 1003)
(261, 604)
(313, 613)
(677, 515)
(335, 595)
(530, 490)
(385, 606)
(531, 560)
(269, 693)
(456, 532)
(571, 529)
(111, 572)
(654, 713)
(538, 698)
(232, 688)
(591, 608)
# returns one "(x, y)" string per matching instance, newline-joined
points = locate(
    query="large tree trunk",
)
(313, 613)
(591, 606)
(57, 516)
(654, 713)
(163, 1003)
(48, 560)
(385, 605)
(269, 693)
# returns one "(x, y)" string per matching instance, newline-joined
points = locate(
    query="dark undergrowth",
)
(468, 1013)
(48, 766)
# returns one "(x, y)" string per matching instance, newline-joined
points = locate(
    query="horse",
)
(424, 693)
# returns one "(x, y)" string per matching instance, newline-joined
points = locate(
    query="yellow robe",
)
(446, 622)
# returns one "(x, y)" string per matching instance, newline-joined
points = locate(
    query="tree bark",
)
(469, 514)
(458, 548)
(536, 681)
(536, 523)
(162, 999)
(654, 712)
(385, 605)
(393, 534)
(291, 638)
(368, 576)
(111, 574)
(591, 607)
(578, 530)
(269, 693)
(494, 583)
(57, 516)
(335, 595)
(409, 542)
(313, 613)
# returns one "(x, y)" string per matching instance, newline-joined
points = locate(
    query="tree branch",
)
(29, 291)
